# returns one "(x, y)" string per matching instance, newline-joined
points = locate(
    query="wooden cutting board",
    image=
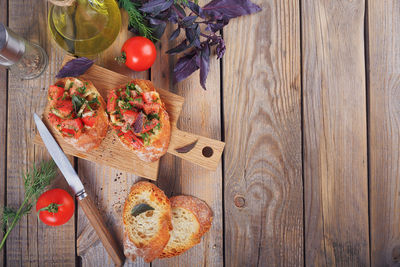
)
(206, 153)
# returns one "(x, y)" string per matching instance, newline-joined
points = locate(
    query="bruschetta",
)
(76, 111)
(139, 119)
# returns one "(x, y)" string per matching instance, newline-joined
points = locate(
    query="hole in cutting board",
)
(207, 151)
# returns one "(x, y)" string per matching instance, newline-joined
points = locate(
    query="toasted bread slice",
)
(88, 126)
(191, 219)
(146, 234)
(139, 101)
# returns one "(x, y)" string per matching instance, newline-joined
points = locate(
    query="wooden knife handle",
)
(206, 153)
(96, 220)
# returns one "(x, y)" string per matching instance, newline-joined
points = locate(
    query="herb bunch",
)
(188, 16)
(35, 181)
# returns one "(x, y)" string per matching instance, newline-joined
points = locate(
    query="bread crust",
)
(203, 214)
(92, 137)
(151, 249)
(158, 143)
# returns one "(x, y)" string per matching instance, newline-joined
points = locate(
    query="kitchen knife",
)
(76, 185)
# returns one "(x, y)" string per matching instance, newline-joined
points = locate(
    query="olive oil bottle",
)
(84, 27)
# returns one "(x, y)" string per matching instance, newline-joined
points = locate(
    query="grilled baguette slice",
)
(148, 145)
(90, 137)
(147, 234)
(191, 219)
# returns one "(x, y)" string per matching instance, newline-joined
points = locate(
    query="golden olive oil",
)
(87, 27)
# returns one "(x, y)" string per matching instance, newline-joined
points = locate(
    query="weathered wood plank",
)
(384, 138)
(31, 242)
(107, 186)
(335, 140)
(201, 115)
(262, 111)
(3, 123)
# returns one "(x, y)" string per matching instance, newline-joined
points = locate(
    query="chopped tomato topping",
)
(151, 108)
(55, 93)
(137, 102)
(111, 102)
(148, 125)
(150, 97)
(89, 120)
(54, 119)
(129, 116)
(137, 142)
(65, 107)
(73, 126)
(118, 130)
(74, 91)
(133, 93)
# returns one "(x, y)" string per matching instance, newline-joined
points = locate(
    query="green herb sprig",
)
(136, 18)
(35, 181)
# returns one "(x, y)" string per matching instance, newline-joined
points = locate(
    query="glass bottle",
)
(23, 58)
(84, 27)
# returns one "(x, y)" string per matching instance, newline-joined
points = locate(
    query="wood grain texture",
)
(384, 138)
(108, 186)
(201, 115)
(95, 218)
(262, 111)
(113, 154)
(31, 243)
(3, 123)
(335, 140)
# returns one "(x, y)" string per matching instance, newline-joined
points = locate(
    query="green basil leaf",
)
(77, 102)
(140, 208)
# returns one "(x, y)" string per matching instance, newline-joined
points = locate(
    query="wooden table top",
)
(307, 100)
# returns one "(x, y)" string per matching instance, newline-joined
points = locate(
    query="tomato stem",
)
(52, 208)
(121, 59)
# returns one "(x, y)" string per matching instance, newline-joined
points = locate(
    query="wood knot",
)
(396, 254)
(239, 201)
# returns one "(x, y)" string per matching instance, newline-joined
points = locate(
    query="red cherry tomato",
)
(139, 53)
(56, 207)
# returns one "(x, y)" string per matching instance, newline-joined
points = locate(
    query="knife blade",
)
(86, 203)
(59, 158)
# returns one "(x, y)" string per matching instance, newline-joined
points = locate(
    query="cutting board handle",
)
(206, 153)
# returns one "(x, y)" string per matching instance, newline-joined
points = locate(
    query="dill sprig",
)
(136, 18)
(35, 181)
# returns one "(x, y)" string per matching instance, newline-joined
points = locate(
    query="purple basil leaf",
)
(188, 21)
(175, 34)
(193, 36)
(75, 67)
(221, 48)
(163, 15)
(180, 11)
(185, 66)
(228, 9)
(173, 16)
(204, 64)
(158, 27)
(196, 9)
(187, 148)
(179, 48)
(138, 124)
(214, 27)
(156, 6)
